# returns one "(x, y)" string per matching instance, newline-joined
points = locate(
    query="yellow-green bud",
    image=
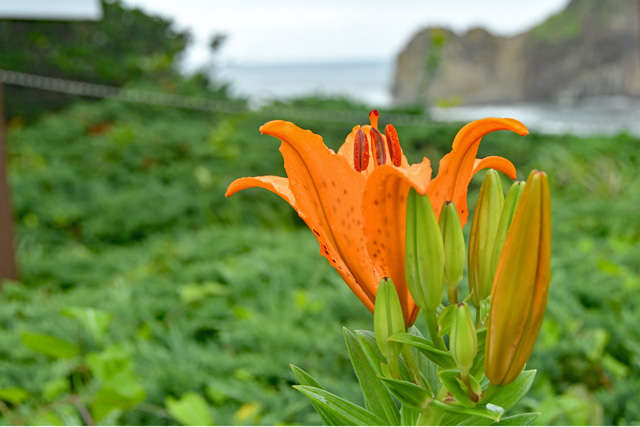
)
(519, 296)
(454, 250)
(484, 227)
(387, 318)
(464, 341)
(424, 252)
(510, 204)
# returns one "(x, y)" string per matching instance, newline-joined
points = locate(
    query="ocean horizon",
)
(364, 81)
(370, 82)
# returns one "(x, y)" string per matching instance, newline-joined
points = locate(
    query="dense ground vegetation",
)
(147, 297)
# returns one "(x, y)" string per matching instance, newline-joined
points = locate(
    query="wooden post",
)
(8, 268)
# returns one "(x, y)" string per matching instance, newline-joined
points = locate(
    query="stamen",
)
(360, 151)
(373, 118)
(377, 142)
(393, 143)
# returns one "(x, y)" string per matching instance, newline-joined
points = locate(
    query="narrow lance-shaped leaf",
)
(439, 357)
(346, 412)
(376, 396)
(305, 379)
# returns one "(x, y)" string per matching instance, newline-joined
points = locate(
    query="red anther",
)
(393, 143)
(360, 151)
(373, 118)
(377, 142)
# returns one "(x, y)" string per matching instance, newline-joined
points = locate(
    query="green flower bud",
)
(484, 227)
(513, 197)
(454, 250)
(519, 296)
(424, 252)
(464, 341)
(387, 318)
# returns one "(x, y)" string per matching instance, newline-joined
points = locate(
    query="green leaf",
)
(110, 398)
(14, 395)
(96, 322)
(46, 418)
(377, 398)
(518, 420)
(482, 337)
(341, 411)
(190, 410)
(370, 347)
(305, 379)
(450, 380)
(113, 365)
(409, 394)
(439, 357)
(378, 361)
(55, 387)
(195, 292)
(478, 363)
(511, 394)
(49, 345)
(505, 397)
(489, 411)
(427, 367)
(408, 416)
(444, 320)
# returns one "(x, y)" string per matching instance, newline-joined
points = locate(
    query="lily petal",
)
(495, 162)
(456, 168)
(328, 197)
(275, 184)
(383, 209)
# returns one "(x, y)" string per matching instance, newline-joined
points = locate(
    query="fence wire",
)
(163, 99)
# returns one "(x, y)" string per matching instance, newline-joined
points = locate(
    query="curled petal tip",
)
(518, 127)
(274, 125)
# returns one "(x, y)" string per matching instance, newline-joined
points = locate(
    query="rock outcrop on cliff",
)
(589, 49)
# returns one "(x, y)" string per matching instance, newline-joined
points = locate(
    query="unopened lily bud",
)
(464, 341)
(513, 197)
(454, 250)
(521, 287)
(424, 253)
(484, 227)
(387, 318)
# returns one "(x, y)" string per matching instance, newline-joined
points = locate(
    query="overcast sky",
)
(261, 31)
(276, 31)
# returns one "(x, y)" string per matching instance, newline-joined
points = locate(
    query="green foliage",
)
(190, 410)
(126, 46)
(120, 212)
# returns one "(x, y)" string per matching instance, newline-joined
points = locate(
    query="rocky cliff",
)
(591, 48)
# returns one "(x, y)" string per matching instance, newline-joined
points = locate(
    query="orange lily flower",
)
(354, 201)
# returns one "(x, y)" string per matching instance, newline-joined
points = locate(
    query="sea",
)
(370, 82)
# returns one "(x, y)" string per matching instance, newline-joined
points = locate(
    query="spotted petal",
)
(328, 196)
(384, 209)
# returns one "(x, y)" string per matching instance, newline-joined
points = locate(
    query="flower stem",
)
(432, 324)
(394, 367)
(412, 366)
(452, 294)
(431, 417)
